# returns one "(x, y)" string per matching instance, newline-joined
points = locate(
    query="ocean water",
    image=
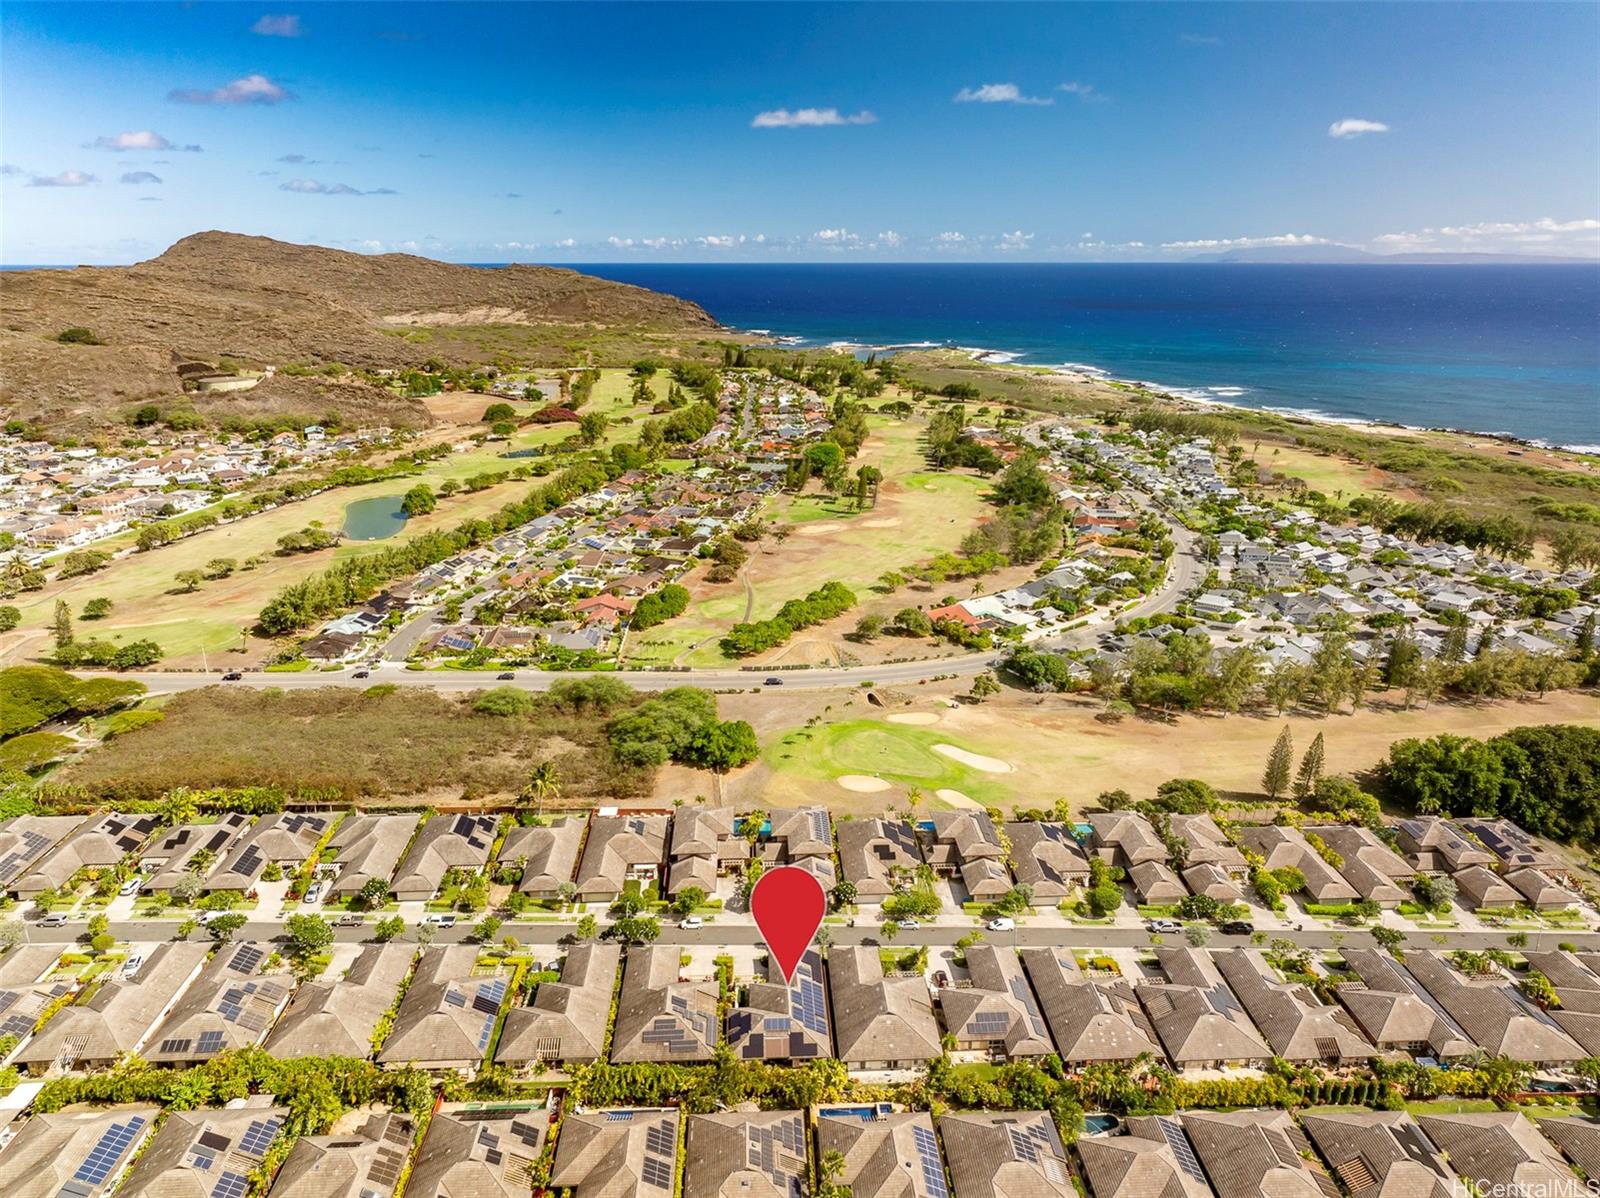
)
(1494, 349)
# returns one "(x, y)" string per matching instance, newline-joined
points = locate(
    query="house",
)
(1125, 838)
(1578, 1138)
(1206, 843)
(1515, 847)
(966, 842)
(1213, 882)
(783, 1020)
(1483, 890)
(626, 1152)
(97, 843)
(340, 1016)
(1248, 1154)
(1284, 847)
(1577, 987)
(1503, 1153)
(1538, 891)
(886, 1156)
(1143, 1165)
(448, 1014)
(620, 850)
(365, 1163)
(1156, 884)
(1381, 1154)
(446, 842)
(120, 1017)
(1376, 871)
(804, 839)
(232, 1004)
(286, 840)
(1435, 845)
(1048, 859)
(205, 1153)
(485, 1152)
(874, 854)
(1493, 1014)
(1296, 1025)
(749, 1154)
(81, 1151)
(704, 847)
(25, 839)
(1196, 1017)
(1092, 1020)
(190, 852)
(1394, 1011)
(879, 1022)
(660, 1016)
(566, 1020)
(367, 848)
(995, 1011)
(547, 857)
(27, 991)
(1003, 1154)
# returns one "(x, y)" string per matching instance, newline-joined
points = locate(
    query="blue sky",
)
(794, 132)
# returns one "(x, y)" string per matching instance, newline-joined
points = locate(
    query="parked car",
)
(53, 920)
(445, 920)
(232, 676)
(1002, 923)
(132, 965)
(349, 921)
(941, 979)
(362, 674)
(773, 682)
(1238, 927)
(131, 886)
(1164, 926)
(314, 892)
(909, 925)
(508, 676)
(691, 922)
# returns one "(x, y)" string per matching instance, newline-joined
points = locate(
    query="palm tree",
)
(543, 783)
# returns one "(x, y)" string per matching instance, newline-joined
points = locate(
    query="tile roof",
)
(617, 1153)
(1502, 1150)
(86, 1148)
(878, 1018)
(885, 1156)
(448, 1013)
(1012, 1154)
(366, 1163)
(566, 1020)
(479, 1153)
(1381, 1154)
(1296, 1024)
(1091, 1020)
(660, 1017)
(548, 855)
(1047, 857)
(337, 1016)
(746, 1154)
(1196, 1016)
(998, 1004)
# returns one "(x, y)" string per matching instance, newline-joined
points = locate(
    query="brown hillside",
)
(264, 302)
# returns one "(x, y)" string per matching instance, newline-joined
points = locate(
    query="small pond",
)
(374, 519)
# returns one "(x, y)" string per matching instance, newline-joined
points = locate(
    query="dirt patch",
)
(862, 783)
(914, 717)
(989, 765)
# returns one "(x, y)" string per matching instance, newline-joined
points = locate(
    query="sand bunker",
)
(956, 799)
(861, 783)
(914, 717)
(989, 765)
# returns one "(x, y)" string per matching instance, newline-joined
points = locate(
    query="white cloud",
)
(277, 25)
(1014, 241)
(620, 243)
(566, 243)
(716, 241)
(809, 118)
(1354, 126)
(1246, 243)
(143, 139)
(1084, 91)
(251, 89)
(950, 238)
(890, 239)
(141, 177)
(314, 187)
(834, 237)
(1546, 235)
(999, 93)
(64, 179)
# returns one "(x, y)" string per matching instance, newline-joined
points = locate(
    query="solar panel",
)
(108, 1150)
(174, 1045)
(247, 958)
(1178, 1141)
(659, 1139)
(657, 1173)
(618, 1116)
(932, 1169)
(229, 1185)
(455, 998)
(210, 1042)
(819, 824)
(258, 1135)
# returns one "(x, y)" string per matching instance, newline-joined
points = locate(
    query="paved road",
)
(743, 933)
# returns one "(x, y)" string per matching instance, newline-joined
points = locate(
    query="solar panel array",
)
(230, 1185)
(819, 824)
(766, 1145)
(108, 1150)
(246, 958)
(932, 1167)
(1030, 1142)
(806, 1000)
(32, 845)
(1023, 993)
(209, 1042)
(258, 1135)
(1183, 1151)
(988, 1025)
(660, 1152)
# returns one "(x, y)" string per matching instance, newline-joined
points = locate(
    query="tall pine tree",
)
(1275, 779)
(1310, 769)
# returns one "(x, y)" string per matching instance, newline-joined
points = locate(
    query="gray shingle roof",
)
(1296, 1024)
(1381, 1154)
(337, 1016)
(549, 855)
(566, 1021)
(1090, 1020)
(1501, 1149)
(617, 1153)
(659, 1017)
(746, 1154)
(886, 1156)
(877, 1018)
(1011, 1154)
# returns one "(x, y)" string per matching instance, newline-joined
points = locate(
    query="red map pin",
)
(788, 904)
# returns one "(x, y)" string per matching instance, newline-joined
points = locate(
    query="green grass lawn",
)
(895, 752)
